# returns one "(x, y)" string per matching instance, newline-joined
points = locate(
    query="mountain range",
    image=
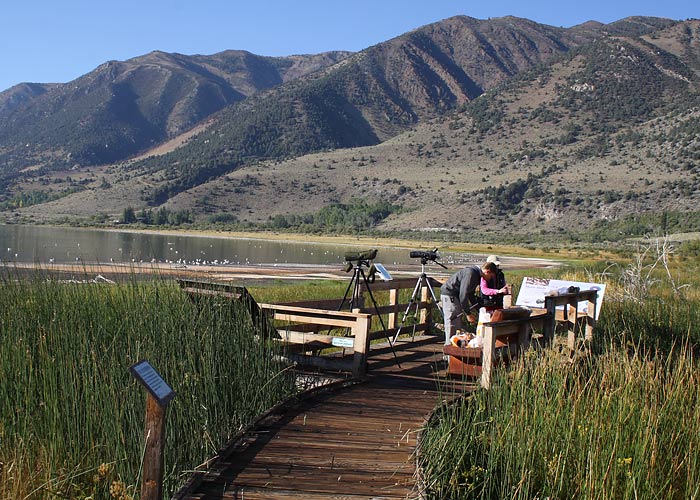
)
(461, 126)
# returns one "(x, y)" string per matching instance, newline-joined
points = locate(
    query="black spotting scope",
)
(427, 255)
(364, 255)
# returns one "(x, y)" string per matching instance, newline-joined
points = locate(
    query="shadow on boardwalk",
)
(352, 441)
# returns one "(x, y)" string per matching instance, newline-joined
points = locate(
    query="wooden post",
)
(361, 347)
(159, 395)
(393, 301)
(152, 484)
(550, 323)
(507, 301)
(590, 316)
(523, 337)
(487, 356)
(573, 323)
(425, 313)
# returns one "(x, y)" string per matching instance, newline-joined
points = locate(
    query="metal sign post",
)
(159, 395)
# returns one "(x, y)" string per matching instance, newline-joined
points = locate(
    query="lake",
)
(44, 245)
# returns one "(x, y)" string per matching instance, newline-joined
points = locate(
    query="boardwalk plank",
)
(355, 443)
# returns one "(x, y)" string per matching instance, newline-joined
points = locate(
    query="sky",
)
(56, 41)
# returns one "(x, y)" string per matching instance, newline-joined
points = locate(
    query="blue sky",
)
(59, 40)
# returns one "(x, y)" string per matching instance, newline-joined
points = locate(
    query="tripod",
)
(356, 299)
(423, 281)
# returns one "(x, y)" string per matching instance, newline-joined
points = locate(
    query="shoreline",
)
(513, 258)
(363, 240)
(260, 273)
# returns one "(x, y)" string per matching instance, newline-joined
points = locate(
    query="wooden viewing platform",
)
(355, 439)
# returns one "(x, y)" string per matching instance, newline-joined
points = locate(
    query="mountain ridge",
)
(124, 107)
(443, 119)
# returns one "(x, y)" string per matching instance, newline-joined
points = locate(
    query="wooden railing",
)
(303, 345)
(309, 327)
(300, 324)
(514, 335)
(570, 318)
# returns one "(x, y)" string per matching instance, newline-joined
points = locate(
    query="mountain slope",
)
(367, 98)
(122, 108)
(610, 131)
(607, 128)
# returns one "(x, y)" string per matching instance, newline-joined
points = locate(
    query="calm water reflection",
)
(40, 244)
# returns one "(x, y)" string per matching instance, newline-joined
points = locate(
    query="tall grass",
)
(71, 415)
(621, 422)
(613, 427)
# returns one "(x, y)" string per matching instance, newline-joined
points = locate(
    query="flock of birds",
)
(178, 261)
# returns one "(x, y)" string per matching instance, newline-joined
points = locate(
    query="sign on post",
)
(159, 395)
(153, 382)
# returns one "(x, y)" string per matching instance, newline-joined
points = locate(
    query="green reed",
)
(68, 403)
(622, 422)
(612, 427)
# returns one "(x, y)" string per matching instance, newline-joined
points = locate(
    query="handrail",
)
(569, 316)
(357, 322)
(309, 320)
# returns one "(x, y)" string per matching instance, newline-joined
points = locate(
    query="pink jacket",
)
(485, 290)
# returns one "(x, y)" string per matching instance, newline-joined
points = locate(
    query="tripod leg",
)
(347, 290)
(354, 300)
(381, 321)
(423, 281)
(435, 301)
(414, 295)
(408, 308)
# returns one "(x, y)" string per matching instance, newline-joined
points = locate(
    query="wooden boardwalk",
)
(351, 442)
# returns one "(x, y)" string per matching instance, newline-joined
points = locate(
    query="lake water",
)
(43, 245)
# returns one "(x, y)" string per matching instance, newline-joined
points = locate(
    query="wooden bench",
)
(504, 337)
(510, 331)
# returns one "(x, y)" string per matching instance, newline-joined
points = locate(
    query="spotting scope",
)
(364, 255)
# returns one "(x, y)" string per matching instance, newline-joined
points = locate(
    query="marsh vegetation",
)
(620, 420)
(71, 415)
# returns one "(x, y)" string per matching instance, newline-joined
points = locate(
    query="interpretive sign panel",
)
(386, 276)
(533, 291)
(342, 342)
(153, 382)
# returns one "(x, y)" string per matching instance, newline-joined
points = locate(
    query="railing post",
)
(425, 313)
(590, 316)
(572, 322)
(487, 356)
(550, 323)
(361, 345)
(524, 337)
(393, 301)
